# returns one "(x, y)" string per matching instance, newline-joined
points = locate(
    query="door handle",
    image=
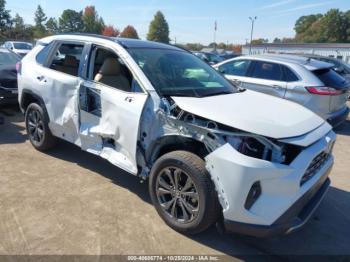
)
(41, 78)
(277, 87)
(129, 99)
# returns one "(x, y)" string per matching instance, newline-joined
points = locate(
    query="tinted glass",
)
(178, 73)
(7, 58)
(214, 58)
(238, 67)
(331, 79)
(67, 58)
(22, 46)
(289, 76)
(42, 55)
(265, 70)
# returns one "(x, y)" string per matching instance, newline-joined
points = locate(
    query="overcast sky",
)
(193, 20)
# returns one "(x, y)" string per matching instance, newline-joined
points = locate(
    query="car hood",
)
(254, 112)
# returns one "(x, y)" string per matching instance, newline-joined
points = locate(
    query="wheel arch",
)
(28, 97)
(168, 143)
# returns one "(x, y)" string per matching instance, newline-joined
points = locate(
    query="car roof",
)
(310, 64)
(125, 42)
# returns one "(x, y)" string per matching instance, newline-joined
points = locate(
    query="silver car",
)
(306, 81)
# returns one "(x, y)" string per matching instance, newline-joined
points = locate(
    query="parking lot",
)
(71, 202)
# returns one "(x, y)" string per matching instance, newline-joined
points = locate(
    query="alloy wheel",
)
(177, 194)
(35, 126)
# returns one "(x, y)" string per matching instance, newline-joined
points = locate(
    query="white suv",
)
(210, 151)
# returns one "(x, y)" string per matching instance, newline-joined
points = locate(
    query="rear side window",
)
(66, 58)
(42, 55)
(266, 70)
(289, 75)
(237, 67)
(331, 79)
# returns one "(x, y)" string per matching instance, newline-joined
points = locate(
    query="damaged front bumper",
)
(285, 201)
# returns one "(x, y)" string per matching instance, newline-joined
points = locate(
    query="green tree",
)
(18, 22)
(18, 28)
(129, 32)
(221, 46)
(158, 29)
(93, 23)
(52, 26)
(334, 26)
(277, 40)
(259, 41)
(71, 21)
(194, 46)
(304, 22)
(39, 18)
(5, 19)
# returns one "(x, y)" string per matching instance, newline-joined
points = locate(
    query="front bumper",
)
(338, 118)
(284, 203)
(293, 219)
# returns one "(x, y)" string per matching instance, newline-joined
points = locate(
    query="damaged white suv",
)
(212, 152)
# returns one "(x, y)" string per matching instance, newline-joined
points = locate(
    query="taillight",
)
(324, 91)
(19, 67)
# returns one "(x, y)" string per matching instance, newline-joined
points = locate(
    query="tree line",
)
(331, 27)
(71, 21)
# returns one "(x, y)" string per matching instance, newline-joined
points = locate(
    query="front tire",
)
(183, 193)
(37, 128)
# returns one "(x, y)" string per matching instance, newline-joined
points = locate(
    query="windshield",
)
(178, 73)
(24, 46)
(7, 58)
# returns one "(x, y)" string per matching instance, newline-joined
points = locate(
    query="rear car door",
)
(266, 77)
(110, 106)
(58, 80)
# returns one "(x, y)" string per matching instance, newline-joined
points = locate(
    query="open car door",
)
(109, 123)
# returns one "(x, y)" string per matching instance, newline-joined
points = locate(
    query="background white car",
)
(20, 48)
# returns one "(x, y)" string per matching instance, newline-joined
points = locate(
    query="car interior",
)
(107, 68)
(67, 59)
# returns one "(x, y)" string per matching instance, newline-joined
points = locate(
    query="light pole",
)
(252, 19)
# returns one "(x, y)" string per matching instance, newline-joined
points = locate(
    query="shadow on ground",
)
(10, 130)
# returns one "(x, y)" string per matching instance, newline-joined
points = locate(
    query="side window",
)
(266, 70)
(237, 67)
(107, 68)
(41, 57)
(289, 75)
(66, 58)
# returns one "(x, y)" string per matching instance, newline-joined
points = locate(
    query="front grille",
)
(314, 166)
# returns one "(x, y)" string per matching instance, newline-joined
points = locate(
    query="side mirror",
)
(236, 82)
(11, 48)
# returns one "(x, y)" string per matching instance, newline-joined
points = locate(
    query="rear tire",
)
(37, 127)
(183, 193)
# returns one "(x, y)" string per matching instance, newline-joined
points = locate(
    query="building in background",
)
(340, 51)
